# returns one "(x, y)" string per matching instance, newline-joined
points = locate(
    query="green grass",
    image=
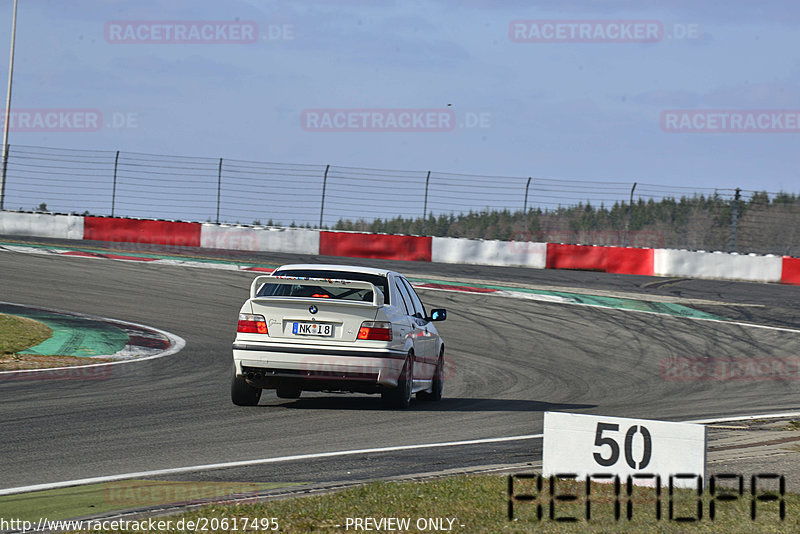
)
(20, 333)
(479, 504)
(92, 499)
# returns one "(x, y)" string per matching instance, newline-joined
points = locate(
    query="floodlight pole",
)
(8, 109)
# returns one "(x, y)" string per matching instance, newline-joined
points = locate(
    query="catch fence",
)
(206, 189)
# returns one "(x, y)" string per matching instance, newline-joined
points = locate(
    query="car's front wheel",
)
(400, 397)
(242, 393)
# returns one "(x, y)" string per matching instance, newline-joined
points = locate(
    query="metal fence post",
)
(6, 147)
(425, 205)
(734, 220)
(219, 187)
(525, 206)
(628, 218)
(322, 202)
(114, 188)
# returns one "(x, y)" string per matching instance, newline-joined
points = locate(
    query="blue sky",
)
(561, 110)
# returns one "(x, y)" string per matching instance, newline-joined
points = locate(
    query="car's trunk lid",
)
(311, 316)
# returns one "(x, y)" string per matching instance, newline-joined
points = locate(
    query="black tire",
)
(438, 382)
(242, 393)
(288, 390)
(400, 397)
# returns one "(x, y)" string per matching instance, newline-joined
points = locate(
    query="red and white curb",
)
(130, 354)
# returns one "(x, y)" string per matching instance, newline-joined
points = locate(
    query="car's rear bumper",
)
(318, 367)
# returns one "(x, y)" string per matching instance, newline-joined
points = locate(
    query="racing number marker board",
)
(589, 445)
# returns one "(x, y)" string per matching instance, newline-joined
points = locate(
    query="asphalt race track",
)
(511, 360)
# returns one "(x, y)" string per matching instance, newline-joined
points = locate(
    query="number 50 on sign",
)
(587, 445)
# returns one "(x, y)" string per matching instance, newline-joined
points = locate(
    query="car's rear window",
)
(282, 290)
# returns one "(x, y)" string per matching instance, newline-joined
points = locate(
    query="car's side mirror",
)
(438, 314)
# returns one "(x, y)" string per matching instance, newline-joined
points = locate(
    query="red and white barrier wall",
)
(141, 231)
(384, 246)
(41, 225)
(790, 273)
(717, 265)
(227, 237)
(485, 252)
(625, 260)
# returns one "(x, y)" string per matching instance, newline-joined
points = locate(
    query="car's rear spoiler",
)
(377, 294)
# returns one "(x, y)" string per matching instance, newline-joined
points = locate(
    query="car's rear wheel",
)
(437, 386)
(242, 393)
(288, 390)
(400, 397)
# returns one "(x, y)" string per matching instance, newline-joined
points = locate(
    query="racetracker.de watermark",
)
(55, 120)
(378, 120)
(74, 120)
(356, 369)
(585, 31)
(731, 121)
(181, 32)
(135, 494)
(730, 369)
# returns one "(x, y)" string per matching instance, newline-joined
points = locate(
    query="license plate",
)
(312, 329)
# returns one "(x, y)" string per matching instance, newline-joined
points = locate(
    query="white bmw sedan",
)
(336, 328)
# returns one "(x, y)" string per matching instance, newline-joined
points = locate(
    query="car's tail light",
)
(251, 324)
(377, 330)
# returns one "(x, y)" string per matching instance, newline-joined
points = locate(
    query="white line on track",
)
(243, 463)
(744, 418)
(332, 454)
(565, 300)
(570, 302)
